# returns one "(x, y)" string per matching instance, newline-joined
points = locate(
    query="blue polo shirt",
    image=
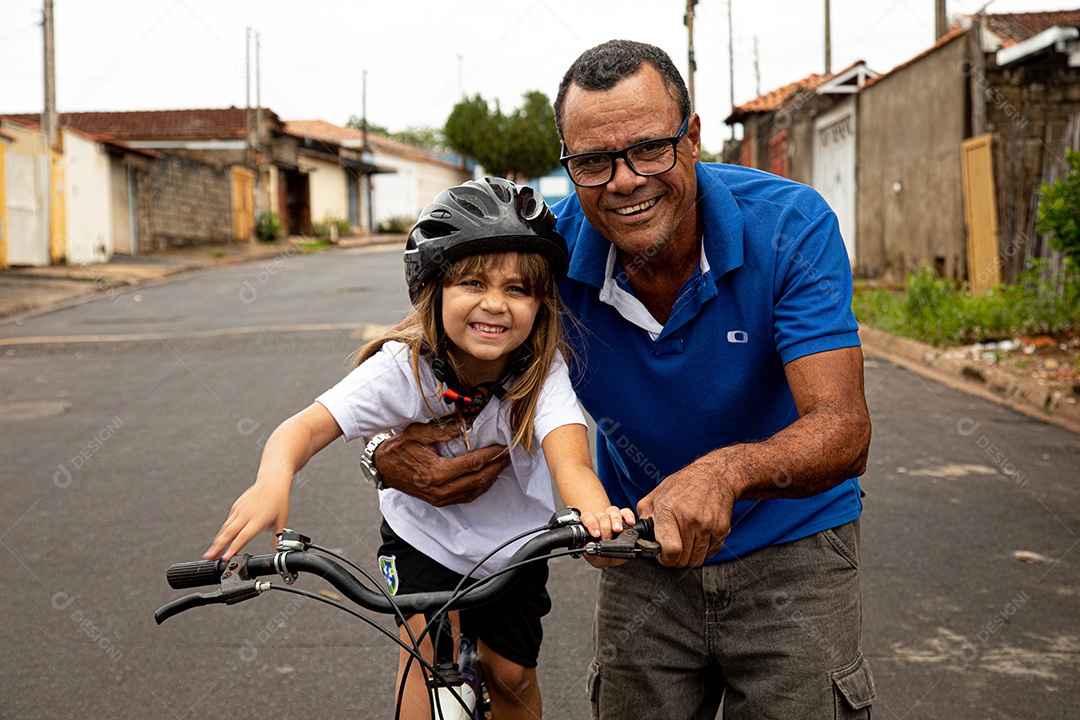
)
(773, 285)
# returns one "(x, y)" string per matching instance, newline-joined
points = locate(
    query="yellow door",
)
(243, 203)
(981, 213)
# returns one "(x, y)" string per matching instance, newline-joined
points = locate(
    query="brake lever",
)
(629, 544)
(235, 587)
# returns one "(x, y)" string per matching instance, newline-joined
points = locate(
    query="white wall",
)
(26, 175)
(327, 187)
(88, 201)
(414, 185)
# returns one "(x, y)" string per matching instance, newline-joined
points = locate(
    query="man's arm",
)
(827, 445)
(407, 461)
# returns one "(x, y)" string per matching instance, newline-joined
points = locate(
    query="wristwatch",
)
(367, 460)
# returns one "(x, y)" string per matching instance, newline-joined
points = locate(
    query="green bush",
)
(397, 224)
(323, 229)
(1059, 211)
(936, 311)
(268, 226)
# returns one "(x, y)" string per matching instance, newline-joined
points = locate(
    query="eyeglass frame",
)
(614, 155)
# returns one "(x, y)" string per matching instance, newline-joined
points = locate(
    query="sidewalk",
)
(25, 289)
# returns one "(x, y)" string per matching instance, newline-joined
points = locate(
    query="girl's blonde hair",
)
(419, 332)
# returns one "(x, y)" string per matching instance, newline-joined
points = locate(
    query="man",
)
(722, 365)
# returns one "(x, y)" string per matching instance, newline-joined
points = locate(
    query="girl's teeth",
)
(488, 328)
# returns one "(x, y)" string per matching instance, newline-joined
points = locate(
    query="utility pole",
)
(757, 68)
(941, 21)
(828, 39)
(368, 158)
(460, 77)
(258, 89)
(688, 20)
(49, 121)
(247, 101)
(258, 119)
(731, 61)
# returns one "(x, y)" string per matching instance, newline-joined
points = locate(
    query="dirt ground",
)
(1052, 360)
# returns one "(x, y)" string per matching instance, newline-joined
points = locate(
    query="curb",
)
(1026, 395)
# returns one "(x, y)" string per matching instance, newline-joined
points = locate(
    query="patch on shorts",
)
(388, 566)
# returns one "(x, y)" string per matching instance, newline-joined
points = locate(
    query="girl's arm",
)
(266, 503)
(566, 450)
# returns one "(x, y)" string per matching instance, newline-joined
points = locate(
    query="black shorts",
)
(509, 625)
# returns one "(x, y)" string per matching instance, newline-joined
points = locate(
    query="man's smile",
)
(633, 209)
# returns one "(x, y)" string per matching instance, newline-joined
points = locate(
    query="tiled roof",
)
(1013, 28)
(33, 122)
(775, 99)
(323, 131)
(209, 124)
(327, 132)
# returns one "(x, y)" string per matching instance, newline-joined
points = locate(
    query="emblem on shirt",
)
(738, 336)
(388, 566)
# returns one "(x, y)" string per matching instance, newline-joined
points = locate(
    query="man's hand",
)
(408, 462)
(692, 511)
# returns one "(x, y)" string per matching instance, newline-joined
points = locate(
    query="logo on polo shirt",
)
(738, 336)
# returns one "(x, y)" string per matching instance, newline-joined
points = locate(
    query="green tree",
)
(1059, 211)
(426, 138)
(357, 123)
(521, 145)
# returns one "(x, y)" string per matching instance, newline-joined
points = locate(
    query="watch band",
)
(367, 460)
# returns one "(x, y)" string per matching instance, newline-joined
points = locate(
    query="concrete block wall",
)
(191, 202)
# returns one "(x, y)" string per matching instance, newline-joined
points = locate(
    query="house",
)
(949, 147)
(390, 180)
(94, 205)
(807, 131)
(229, 164)
(339, 170)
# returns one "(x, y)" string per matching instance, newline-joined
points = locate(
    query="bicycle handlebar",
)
(237, 575)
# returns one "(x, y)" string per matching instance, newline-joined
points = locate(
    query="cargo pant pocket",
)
(853, 688)
(592, 687)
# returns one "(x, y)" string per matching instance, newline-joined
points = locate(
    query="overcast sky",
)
(421, 55)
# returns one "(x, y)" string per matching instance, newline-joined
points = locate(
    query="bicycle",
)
(456, 688)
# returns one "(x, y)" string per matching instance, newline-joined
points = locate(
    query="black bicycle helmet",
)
(480, 216)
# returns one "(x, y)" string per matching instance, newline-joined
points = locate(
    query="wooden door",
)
(980, 213)
(243, 203)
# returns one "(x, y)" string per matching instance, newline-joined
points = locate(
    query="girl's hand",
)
(606, 523)
(261, 506)
(603, 525)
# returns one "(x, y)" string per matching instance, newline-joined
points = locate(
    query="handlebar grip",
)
(198, 573)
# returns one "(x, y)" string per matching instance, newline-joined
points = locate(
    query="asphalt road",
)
(131, 422)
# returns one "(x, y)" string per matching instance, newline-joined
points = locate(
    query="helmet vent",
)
(470, 205)
(501, 191)
(531, 208)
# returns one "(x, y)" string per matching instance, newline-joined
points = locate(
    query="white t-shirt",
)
(382, 394)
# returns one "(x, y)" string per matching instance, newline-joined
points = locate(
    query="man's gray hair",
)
(604, 66)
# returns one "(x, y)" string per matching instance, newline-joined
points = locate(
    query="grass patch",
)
(934, 310)
(311, 245)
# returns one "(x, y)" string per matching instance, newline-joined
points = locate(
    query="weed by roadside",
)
(933, 310)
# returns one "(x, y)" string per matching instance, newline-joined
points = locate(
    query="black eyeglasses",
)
(649, 157)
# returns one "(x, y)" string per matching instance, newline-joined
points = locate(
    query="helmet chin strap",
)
(456, 391)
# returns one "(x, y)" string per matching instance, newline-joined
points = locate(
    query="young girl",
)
(482, 351)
